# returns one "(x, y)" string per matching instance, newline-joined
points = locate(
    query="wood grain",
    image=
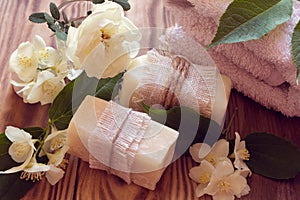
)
(80, 182)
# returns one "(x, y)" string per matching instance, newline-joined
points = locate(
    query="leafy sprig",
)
(60, 27)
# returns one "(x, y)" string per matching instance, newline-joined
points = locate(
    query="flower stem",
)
(47, 132)
(68, 2)
(226, 131)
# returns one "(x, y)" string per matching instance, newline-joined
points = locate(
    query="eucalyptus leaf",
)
(37, 18)
(124, 3)
(98, 1)
(272, 156)
(53, 27)
(61, 35)
(251, 19)
(10, 183)
(69, 99)
(49, 19)
(54, 11)
(296, 50)
(192, 127)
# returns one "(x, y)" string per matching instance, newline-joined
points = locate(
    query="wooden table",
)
(80, 182)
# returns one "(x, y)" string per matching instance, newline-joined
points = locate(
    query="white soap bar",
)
(209, 100)
(155, 150)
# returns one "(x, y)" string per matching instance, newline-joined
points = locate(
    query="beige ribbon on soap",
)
(175, 80)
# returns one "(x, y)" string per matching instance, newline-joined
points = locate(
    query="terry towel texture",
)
(261, 69)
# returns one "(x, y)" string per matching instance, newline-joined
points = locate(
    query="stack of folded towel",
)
(262, 69)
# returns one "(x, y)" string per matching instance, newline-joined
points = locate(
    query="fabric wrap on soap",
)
(172, 80)
(116, 138)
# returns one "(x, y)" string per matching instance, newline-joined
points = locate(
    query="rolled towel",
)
(203, 28)
(240, 56)
(275, 47)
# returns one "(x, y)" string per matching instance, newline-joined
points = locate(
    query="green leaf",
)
(69, 99)
(51, 22)
(10, 183)
(61, 35)
(12, 187)
(54, 11)
(37, 18)
(36, 132)
(272, 156)
(49, 19)
(98, 1)
(192, 127)
(251, 19)
(124, 3)
(296, 50)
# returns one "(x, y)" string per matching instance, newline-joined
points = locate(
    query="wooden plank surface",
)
(80, 182)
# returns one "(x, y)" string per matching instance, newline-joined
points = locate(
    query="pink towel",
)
(261, 69)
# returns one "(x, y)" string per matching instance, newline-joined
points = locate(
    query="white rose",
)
(105, 41)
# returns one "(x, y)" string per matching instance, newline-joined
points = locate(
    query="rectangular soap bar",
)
(154, 153)
(149, 77)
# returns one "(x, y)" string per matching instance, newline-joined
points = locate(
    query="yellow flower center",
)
(223, 186)
(204, 178)
(244, 154)
(21, 148)
(63, 164)
(33, 176)
(104, 34)
(49, 88)
(43, 55)
(212, 159)
(57, 142)
(25, 61)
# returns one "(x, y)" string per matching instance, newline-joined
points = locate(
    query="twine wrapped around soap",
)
(172, 80)
(123, 129)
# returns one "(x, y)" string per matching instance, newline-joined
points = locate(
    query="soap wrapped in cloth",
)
(170, 80)
(121, 141)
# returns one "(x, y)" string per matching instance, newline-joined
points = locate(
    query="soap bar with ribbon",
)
(170, 80)
(121, 141)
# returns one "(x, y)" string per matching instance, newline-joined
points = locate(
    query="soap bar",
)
(172, 80)
(144, 159)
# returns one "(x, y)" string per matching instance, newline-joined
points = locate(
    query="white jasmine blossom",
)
(202, 151)
(21, 150)
(226, 183)
(34, 171)
(240, 154)
(202, 175)
(104, 42)
(55, 147)
(23, 62)
(38, 71)
(45, 89)
(22, 143)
